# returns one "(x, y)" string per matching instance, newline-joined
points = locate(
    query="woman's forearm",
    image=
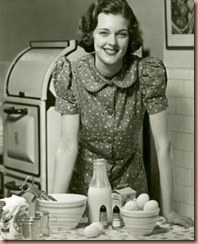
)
(64, 165)
(162, 138)
(66, 153)
(166, 179)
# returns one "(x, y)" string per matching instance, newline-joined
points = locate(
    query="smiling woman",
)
(102, 98)
(88, 23)
(111, 38)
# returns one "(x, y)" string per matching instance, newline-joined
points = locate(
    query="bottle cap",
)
(103, 208)
(116, 209)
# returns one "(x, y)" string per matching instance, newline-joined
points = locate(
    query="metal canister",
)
(31, 228)
(44, 216)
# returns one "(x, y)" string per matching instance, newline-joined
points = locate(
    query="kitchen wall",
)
(22, 21)
(180, 92)
(181, 119)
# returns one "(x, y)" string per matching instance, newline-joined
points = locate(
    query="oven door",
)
(21, 137)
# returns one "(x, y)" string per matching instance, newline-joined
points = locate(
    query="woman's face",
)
(111, 38)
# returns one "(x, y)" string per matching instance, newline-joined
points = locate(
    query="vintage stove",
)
(31, 125)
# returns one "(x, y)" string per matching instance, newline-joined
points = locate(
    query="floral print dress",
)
(111, 115)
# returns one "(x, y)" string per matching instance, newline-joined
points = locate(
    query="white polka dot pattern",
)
(111, 112)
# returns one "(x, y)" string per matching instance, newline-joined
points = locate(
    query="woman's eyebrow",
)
(122, 30)
(109, 29)
(101, 28)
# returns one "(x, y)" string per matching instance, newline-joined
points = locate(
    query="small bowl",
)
(66, 212)
(140, 222)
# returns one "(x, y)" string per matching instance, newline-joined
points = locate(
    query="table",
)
(163, 231)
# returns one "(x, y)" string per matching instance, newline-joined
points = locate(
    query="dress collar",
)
(93, 81)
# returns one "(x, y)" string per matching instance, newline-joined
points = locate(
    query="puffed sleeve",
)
(66, 102)
(153, 81)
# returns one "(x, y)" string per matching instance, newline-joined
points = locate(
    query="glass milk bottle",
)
(99, 192)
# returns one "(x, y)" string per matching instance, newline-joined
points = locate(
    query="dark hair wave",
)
(89, 20)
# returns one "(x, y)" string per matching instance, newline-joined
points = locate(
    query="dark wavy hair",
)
(89, 20)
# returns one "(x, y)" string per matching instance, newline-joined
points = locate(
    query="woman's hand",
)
(175, 218)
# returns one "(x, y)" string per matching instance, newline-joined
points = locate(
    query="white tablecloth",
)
(162, 232)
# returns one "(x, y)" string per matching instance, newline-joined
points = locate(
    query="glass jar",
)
(99, 192)
(44, 216)
(31, 228)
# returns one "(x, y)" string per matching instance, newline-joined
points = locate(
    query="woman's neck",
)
(108, 70)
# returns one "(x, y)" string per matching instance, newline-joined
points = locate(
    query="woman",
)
(103, 97)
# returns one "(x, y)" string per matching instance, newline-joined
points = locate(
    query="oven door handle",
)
(11, 185)
(13, 110)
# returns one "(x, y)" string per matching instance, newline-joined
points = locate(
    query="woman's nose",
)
(112, 39)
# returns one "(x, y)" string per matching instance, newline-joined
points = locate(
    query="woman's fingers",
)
(175, 218)
(184, 221)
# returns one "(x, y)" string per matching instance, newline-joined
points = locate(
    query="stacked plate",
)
(66, 212)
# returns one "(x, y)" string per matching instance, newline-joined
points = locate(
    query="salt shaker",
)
(116, 222)
(103, 216)
(44, 216)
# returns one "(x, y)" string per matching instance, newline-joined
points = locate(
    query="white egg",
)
(151, 205)
(131, 205)
(142, 199)
(99, 226)
(91, 231)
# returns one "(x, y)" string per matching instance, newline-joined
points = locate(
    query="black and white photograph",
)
(97, 120)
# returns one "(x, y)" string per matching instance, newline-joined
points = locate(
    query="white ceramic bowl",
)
(66, 212)
(140, 222)
(66, 199)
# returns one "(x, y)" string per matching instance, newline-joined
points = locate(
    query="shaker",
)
(44, 216)
(116, 222)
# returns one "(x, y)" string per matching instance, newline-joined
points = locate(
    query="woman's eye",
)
(103, 33)
(123, 34)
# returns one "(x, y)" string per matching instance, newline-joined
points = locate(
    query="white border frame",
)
(176, 40)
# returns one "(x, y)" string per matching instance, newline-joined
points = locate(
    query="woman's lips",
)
(110, 51)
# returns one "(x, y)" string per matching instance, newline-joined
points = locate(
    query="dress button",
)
(109, 139)
(110, 110)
